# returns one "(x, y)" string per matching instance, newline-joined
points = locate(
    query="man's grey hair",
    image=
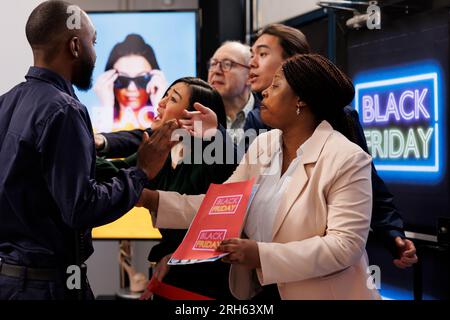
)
(244, 49)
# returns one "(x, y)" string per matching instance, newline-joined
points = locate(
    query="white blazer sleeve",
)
(176, 211)
(349, 206)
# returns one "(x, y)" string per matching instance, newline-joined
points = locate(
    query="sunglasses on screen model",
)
(141, 82)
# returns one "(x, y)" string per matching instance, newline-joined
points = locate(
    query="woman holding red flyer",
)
(308, 223)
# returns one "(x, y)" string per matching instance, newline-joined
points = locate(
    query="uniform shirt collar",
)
(51, 77)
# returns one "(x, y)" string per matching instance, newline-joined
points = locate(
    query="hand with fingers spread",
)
(201, 123)
(153, 151)
(104, 88)
(244, 252)
(407, 253)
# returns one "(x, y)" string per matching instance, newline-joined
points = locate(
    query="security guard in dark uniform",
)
(49, 198)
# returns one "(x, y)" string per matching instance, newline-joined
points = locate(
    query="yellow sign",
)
(136, 224)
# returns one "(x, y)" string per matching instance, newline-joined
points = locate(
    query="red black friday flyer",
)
(220, 216)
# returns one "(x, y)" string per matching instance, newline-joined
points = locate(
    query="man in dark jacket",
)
(49, 199)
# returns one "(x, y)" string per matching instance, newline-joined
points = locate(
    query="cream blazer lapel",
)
(311, 150)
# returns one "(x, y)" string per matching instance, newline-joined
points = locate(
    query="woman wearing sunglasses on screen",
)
(132, 85)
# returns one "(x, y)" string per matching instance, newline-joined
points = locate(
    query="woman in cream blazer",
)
(316, 248)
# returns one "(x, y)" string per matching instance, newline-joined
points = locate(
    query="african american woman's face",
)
(130, 88)
(278, 108)
(173, 104)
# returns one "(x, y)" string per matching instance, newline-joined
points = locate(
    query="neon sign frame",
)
(410, 74)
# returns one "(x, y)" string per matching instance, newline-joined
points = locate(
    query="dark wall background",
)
(221, 20)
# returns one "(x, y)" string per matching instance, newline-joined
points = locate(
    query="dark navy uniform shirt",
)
(48, 194)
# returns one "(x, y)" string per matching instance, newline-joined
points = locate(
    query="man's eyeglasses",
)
(225, 64)
(141, 82)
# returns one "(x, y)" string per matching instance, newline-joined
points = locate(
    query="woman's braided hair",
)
(324, 88)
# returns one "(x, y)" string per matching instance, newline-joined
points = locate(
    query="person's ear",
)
(75, 46)
(300, 105)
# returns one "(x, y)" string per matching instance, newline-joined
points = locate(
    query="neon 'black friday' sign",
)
(401, 111)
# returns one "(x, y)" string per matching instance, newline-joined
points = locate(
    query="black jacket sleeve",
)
(68, 163)
(387, 223)
(122, 144)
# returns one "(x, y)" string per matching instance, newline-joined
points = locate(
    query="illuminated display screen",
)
(402, 116)
(147, 51)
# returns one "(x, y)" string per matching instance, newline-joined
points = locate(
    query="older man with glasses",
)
(228, 72)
